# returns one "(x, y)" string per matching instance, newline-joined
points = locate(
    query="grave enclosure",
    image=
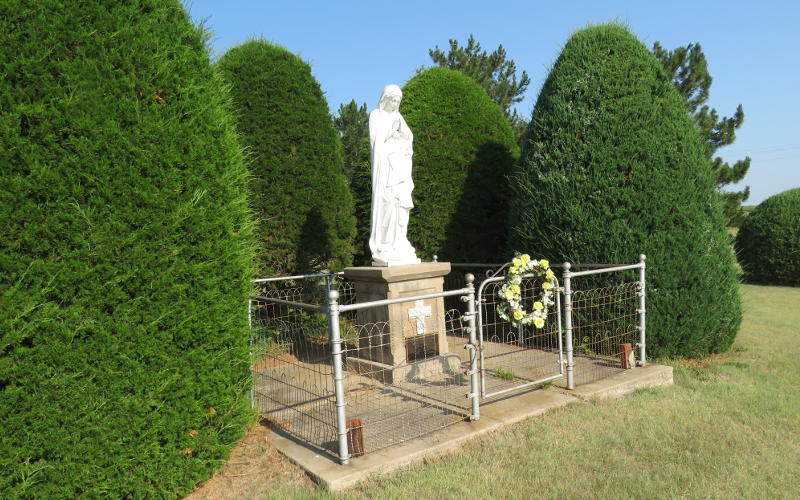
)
(351, 363)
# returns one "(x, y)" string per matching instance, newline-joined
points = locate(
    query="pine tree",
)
(688, 69)
(493, 72)
(352, 122)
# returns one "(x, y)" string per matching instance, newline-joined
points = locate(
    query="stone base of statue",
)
(405, 341)
(403, 255)
(389, 262)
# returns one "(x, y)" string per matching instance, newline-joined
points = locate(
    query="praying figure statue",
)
(391, 151)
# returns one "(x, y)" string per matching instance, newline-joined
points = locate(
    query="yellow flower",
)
(525, 258)
(547, 285)
(538, 322)
(538, 305)
(516, 262)
(517, 315)
(509, 294)
(550, 275)
(544, 263)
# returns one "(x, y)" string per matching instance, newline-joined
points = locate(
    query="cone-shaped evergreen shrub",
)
(464, 148)
(300, 193)
(612, 167)
(768, 242)
(125, 253)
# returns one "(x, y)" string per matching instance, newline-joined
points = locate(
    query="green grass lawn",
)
(728, 428)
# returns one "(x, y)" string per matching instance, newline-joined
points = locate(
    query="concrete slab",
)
(495, 415)
(625, 382)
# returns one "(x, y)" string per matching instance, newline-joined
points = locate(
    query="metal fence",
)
(328, 376)
(419, 390)
(513, 358)
(604, 320)
(312, 360)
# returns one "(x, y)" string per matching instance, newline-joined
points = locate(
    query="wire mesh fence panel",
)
(292, 374)
(291, 356)
(605, 322)
(406, 380)
(400, 383)
(512, 356)
(310, 290)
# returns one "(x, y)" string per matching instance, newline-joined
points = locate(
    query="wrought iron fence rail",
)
(297, 277)
(292, 304)
(400, 300)
(552, 264)
(522, 386)
(606, 270)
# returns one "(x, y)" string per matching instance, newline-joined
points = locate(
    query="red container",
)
(626, 356)
(355, 437)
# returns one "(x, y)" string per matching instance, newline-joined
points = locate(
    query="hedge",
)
(612, 167)
(125, 253)
(768, 242)
(300, 194)
(464, 148)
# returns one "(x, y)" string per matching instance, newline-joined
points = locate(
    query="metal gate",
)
(512, 358)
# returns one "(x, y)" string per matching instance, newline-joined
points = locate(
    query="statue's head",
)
(390, 98)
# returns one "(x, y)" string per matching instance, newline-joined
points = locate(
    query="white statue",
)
(391, 150)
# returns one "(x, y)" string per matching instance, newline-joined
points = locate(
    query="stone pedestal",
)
(408, 339)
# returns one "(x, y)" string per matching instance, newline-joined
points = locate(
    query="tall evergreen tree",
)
(352, 121)
(125, 253)
(688, 69)
(300, 194)
(613, 167)
(463, 150)
(493, 72)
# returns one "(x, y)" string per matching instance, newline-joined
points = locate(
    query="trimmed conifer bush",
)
(463, 150)
(125, 253)
(300, 193)
(768, 242)
(612, 167)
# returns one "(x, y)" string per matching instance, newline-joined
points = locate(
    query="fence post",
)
(473, 354)
(568, 324)
(642, 350)
(338, 374)
(479, 340)
(251, 392)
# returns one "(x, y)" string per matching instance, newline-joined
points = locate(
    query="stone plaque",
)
(421, 347)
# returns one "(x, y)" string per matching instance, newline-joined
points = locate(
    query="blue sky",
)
(355, 48)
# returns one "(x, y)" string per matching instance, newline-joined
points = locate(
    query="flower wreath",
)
(511, 307)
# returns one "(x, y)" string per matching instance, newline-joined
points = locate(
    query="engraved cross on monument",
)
(418, 313)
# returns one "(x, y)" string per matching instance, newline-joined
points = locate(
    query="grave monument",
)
(413, 341)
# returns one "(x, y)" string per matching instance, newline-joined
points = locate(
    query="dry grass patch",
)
(255, 470)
